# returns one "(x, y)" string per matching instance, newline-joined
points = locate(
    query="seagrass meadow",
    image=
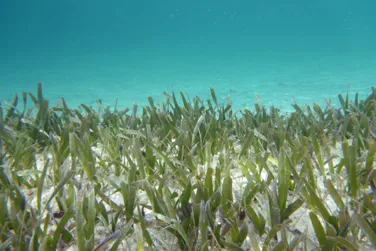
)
(187, 175)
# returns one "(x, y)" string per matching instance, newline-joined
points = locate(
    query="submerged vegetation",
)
(188, 175)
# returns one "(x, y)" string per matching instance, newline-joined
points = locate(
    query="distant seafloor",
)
(278, 78)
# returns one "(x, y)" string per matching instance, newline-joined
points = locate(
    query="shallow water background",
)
(281, 51)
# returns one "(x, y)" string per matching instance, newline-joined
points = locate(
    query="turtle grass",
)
(187, 174)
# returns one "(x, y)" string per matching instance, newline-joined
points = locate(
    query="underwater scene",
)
(187, 125)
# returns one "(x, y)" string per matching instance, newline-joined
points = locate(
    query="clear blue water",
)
(281, 51)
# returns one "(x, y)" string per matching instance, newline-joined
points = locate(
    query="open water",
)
(277, 52)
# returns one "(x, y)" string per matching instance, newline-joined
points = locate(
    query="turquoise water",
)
(278, 52)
